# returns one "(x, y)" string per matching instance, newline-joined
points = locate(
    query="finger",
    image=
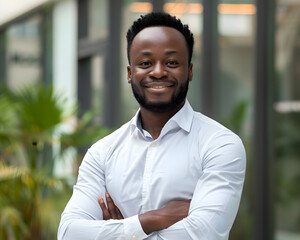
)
(119, 214)
(111, 206)
(113, 209)
(105, 212)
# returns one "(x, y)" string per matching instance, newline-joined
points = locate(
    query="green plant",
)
(32, 197)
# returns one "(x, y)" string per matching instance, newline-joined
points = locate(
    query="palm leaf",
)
(10, 172)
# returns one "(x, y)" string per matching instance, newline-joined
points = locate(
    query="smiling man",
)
(160, 85)
(169, 173)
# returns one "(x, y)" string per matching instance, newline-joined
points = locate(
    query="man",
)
(169, 173)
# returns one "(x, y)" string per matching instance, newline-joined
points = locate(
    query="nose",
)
(158, 71)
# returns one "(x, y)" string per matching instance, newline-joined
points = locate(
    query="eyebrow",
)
(145, 53)
(167, 52)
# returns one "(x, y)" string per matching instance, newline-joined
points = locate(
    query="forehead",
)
(159, 37)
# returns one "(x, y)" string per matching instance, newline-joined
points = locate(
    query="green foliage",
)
(40, 108)
(286, 169)
(8, 124)
(236, 119)
(32, 197)
(37, 110)
(21, 202)
(84, 132)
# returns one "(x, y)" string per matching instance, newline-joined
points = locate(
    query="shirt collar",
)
(183, 118)
(135, 123)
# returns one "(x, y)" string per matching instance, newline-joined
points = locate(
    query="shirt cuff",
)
(133, 228)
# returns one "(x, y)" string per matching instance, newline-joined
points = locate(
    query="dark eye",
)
(145, 64)
(172, 63)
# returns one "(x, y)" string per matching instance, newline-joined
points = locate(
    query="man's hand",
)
(111, 211)
(163, 218)
(151, 221)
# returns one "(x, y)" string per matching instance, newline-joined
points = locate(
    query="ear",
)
(190, 72)
(129, 74)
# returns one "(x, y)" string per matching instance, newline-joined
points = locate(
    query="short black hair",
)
(160, 19)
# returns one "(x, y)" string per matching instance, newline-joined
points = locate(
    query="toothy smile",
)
(157, 87)
(160, 85)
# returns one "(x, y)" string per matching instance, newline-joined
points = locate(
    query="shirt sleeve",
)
(82, 217)
(217, 194)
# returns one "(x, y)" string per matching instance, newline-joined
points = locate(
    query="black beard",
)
(160, 107)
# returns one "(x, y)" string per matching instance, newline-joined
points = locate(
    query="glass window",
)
(97, 77)
(235, 89)
(24, 53)
(287, 121)
(91, 67)
(236, 30)
(98, 19)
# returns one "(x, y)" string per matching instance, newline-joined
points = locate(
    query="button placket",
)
(146, 205)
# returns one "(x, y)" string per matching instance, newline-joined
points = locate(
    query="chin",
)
(175, 102)
(161, 107)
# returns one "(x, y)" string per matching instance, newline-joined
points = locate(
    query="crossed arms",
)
(151, 221)
(209, 215)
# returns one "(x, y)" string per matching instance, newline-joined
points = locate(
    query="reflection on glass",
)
(24, 53)
(287, 121)
(97, 77)
(98, 19)
(235, 90)
(179, 8)
(140, 7)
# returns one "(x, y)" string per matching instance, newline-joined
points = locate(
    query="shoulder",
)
(207, 124)
(209, 128)
(104, 146)
(217, 140)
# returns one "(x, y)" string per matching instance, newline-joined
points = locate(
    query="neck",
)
(153, 122)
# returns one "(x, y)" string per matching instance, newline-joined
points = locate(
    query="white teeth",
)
(157, 87)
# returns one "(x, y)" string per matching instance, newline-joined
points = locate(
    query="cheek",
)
(181, 74)
(137, 74)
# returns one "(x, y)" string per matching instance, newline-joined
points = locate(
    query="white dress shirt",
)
(193, 158)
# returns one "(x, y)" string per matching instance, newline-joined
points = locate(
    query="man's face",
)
(159, 70)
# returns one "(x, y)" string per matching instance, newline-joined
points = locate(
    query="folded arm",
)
(83, 218)
(217, 194)
(151, 221)
(215, 201)
(210, 213)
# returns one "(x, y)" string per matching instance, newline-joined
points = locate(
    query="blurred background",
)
(64, 85)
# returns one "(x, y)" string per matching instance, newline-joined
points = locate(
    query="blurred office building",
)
(246, 76)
